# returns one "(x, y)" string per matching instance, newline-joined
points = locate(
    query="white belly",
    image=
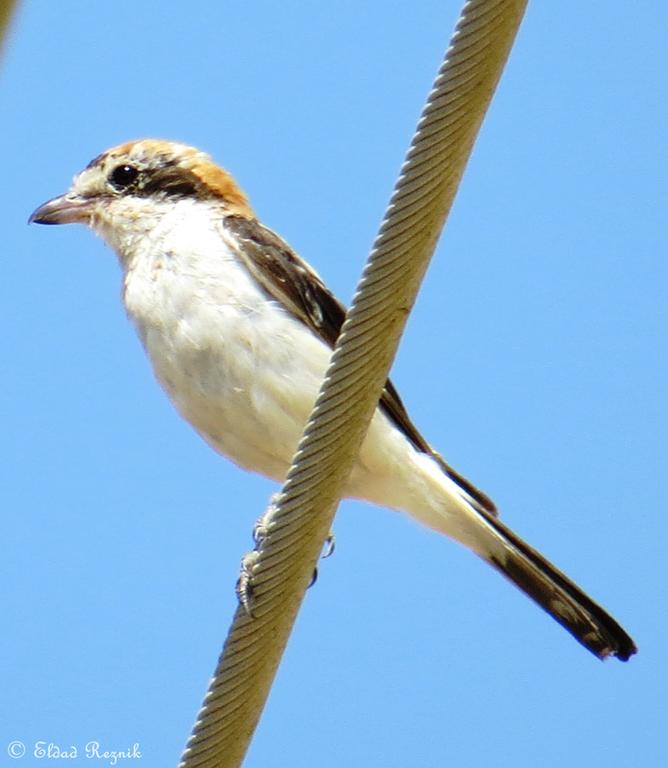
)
(239, 369)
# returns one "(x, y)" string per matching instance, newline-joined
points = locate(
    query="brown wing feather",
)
(288, 279)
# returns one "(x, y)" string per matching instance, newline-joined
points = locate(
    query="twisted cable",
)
(301, 518)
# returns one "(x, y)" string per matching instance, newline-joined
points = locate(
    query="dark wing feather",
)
(288, 279)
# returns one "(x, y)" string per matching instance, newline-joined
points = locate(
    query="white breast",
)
(238, 367)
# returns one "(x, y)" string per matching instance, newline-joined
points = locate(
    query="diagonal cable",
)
(302, 517)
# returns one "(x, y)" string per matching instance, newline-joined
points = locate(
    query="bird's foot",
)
(244, 586)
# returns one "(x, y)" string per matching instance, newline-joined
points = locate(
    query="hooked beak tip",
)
(34, 217)
(62, 210)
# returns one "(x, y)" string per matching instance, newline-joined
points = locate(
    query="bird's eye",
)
(123, 176)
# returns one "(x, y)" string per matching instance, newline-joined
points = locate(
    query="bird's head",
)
(131, 186)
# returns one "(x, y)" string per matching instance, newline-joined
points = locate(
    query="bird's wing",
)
(288, 279)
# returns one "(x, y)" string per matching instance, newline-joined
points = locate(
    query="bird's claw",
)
(244, 586)
(327, 551)
(261, 527)
(330, 545)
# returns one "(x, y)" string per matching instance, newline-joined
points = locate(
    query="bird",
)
(239, 331)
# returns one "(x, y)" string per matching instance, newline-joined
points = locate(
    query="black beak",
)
(66, 209)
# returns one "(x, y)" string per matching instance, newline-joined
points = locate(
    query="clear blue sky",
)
(535, 361)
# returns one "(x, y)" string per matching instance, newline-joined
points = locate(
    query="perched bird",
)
(239, 331)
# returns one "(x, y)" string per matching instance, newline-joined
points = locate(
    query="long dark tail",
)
(557, 594)
(457, 509)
